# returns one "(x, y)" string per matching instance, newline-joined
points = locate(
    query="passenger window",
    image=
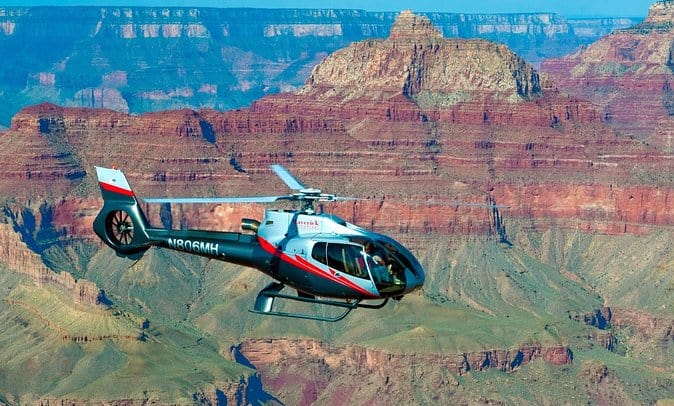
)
(348, 259)
(319, 253)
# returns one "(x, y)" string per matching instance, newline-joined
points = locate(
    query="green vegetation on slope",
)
(54, 348)
(480, 295)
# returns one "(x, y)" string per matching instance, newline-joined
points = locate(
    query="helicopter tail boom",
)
(122, 225)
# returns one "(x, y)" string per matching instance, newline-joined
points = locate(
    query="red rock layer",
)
(416, 123)
(581, 175)
(628, 75)
(308, 364)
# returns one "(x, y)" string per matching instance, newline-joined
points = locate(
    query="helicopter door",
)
(344, 258)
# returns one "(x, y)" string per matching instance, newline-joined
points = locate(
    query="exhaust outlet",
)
(250, 225)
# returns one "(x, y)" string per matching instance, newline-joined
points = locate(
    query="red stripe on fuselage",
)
(116, 189)
(305, 265)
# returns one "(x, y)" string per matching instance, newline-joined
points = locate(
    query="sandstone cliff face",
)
(628, 74)
(407, 63)
(416, 75)
(320, 373)
(108, 57)
(17, 256)
(653, 328)
(487, 130)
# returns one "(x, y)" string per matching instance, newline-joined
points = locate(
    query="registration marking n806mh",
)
(197, 247)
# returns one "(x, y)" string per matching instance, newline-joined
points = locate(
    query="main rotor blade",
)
(333, 198)
(287, 177)
(203, 200)
(485, 205)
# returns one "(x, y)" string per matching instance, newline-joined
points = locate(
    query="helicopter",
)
(326, 260)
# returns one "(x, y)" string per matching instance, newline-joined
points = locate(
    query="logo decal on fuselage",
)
(197, 247)
(308, 225)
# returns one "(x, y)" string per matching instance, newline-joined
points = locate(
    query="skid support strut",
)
(264, 304)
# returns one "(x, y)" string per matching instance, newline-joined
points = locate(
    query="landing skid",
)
(264, 304)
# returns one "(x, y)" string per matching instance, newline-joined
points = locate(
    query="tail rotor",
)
(119, 227)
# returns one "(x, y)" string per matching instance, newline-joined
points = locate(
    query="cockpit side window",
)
(345, 258)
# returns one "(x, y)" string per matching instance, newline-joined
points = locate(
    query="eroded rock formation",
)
(109, 57)
(628, 74)
(17, 256)
(316, 369)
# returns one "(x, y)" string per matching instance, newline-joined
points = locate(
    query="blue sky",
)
(629, 8)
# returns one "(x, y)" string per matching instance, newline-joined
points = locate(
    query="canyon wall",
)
(319, 373)
(424, 135)
(117, 58)
(628, 74)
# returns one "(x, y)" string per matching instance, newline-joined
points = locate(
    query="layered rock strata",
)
(427, 121)
(628, 74)
(17, 256)
(139, 59)
(320, 372)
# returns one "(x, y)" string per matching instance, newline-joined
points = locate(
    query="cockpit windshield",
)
(388, 272)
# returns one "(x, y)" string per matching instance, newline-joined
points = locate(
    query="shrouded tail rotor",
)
(119, 227)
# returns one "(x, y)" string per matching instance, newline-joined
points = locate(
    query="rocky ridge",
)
(549, 156)
(628, 75)
(109, 57)
(406, 62)
(282, 363)
(20, 258)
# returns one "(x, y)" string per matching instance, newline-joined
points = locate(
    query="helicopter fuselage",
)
(317, 254)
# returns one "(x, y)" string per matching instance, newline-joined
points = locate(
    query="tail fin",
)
(121, 223)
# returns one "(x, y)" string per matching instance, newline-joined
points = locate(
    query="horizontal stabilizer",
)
(113, 181)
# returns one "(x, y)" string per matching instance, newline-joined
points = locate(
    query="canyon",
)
(627, 75)
(140, 59)
(559, 287)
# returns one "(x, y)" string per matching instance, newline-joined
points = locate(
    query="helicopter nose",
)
(414, 279)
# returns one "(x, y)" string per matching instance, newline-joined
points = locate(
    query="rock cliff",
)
(117, 58)
(466, 116)
(359, 375)
(15, 254)
(408, 62)
(628, 75)
(414, 124)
